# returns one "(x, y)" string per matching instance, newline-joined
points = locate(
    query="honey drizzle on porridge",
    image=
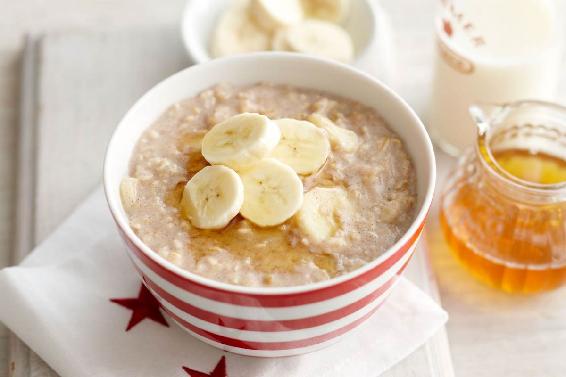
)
(274, 249)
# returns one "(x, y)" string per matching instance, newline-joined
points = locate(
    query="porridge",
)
(269, 185)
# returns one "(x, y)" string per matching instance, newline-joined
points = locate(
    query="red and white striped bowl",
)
(277, 321)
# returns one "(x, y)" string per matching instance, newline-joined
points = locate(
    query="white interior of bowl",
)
(276, 67)
(201, 16)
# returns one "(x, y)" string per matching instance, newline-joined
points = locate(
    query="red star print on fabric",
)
(142, 307)
(447, 27)
(218, 371)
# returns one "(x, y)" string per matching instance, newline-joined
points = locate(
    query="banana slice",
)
(213, 197)
(129, 192)
(279, 41)
(273, 14)
(340, 138)
(319, 38)
(323, 212)
(240, 141)
(328, 10)
(237, 33)
(272, 193)
(303, 146)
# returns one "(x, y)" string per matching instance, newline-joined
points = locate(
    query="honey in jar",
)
(503, 212)
(533, 167)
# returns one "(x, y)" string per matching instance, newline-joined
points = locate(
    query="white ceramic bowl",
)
(367, 24)
(270, 321)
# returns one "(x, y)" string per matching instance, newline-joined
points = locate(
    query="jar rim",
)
(485, 154)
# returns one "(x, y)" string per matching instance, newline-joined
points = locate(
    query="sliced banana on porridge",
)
(273, 193)
(340, 138)
(129, 192)
(240, 141)
(243, 217)
(213, 197)
(323, 212)
(303, 146)
(318, 38)
(273, 14)
(236, 33)
(328, 10)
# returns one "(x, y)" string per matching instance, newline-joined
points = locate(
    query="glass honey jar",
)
(503, 211)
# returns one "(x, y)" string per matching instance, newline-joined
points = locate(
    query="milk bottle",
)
(490, 51)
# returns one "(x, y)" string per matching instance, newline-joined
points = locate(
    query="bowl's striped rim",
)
(266, 325)
(269, 346)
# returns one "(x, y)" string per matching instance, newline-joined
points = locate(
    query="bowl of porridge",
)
(270, 201)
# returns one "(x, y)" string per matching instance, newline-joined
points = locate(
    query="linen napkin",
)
(74, 297)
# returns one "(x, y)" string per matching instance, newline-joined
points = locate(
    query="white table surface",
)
(491, 334)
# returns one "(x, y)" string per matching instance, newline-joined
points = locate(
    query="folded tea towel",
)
(79, 304)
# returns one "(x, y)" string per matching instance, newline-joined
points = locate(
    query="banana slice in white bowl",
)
(319, 38)
(329, 10)
(273, 14)
(366, 22)
(237, 33)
